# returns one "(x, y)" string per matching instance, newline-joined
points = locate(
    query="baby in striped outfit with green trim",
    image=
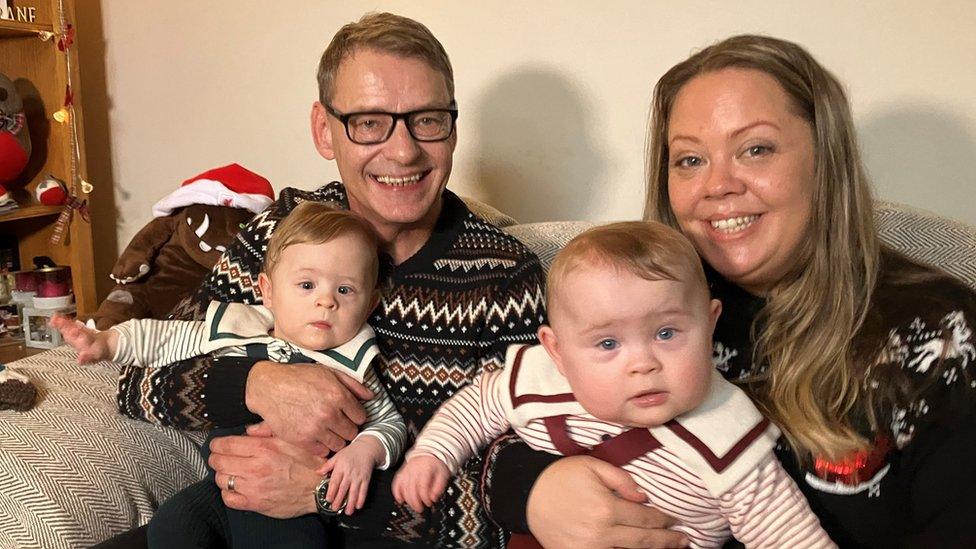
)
(319, 285)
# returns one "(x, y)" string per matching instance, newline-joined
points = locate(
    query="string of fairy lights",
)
(64, 38)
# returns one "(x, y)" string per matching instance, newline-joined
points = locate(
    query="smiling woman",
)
(740, 174)
(769, 133)
(860, 355)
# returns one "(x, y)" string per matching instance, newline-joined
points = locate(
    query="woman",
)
(865, 359)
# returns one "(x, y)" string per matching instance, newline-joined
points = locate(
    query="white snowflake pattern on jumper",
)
(721, 355)
(933, 346)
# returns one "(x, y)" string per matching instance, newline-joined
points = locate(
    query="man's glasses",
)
(371, 128)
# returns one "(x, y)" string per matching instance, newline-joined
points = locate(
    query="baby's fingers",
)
(398, 488)
(59, 321)
(428, 491)
(330, 494)
(355, 498)
(414, 500)
(405, 494)
(342, 495)
(326, 467)
(67, 327)
(438, 485)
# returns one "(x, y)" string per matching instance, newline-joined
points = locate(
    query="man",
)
(458, 293)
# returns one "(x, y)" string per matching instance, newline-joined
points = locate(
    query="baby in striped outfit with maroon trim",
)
(624, 373)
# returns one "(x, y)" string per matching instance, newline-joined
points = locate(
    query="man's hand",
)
(306, 403)
(271, 476)
(92, 346)
(585, 502)
(420, 482)
(351, 469)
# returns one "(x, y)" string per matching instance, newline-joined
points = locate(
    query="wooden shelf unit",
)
(39, 72)
(27, 212)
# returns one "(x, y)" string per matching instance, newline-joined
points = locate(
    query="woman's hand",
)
(585, 502)
(271, 476)
(306, 403)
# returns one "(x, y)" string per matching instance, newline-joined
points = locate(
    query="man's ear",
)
(264, 284)
(550, 343)
(321, 131)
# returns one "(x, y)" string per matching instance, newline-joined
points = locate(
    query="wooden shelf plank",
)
(19, 28)
(29, 212)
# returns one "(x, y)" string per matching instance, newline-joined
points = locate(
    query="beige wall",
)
(553, 95)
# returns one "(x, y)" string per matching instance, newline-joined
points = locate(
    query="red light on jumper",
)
(856, 467)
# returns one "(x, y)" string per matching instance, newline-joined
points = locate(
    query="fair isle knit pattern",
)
(445, 315)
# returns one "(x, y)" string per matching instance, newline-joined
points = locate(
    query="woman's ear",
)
(550, 343)
(321, 131)
(264, 284)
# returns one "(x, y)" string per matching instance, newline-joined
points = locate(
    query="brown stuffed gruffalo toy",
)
(169, 257)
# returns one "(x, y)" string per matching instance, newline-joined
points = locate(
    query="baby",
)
(624, 373)
(318, 286)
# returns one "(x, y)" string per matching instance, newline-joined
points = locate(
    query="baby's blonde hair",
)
(317, 223)
(647, 249)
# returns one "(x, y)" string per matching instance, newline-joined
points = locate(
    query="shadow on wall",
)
(98, 143)
(537, 158)
(920, 155)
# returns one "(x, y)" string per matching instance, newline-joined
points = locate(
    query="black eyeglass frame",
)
(397, 116)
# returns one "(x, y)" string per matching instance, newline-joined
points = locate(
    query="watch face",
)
(321, 503)
(320, 491)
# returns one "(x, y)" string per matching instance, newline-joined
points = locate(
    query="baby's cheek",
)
(602, 401)
(702, 383)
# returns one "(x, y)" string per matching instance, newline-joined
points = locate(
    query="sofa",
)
(74, 472)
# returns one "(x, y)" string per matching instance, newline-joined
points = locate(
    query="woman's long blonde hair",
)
(810, 381)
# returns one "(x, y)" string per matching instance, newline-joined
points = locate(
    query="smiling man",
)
(457, 292)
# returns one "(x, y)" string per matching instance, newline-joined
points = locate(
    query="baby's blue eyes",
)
(309, 285)
(608, 344)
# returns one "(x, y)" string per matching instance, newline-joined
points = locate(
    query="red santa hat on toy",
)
(233, 186)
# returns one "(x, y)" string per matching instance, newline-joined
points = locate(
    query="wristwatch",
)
(322, 505)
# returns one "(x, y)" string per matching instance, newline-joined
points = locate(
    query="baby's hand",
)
(92, 346)
(351, 470)
(420, 482)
